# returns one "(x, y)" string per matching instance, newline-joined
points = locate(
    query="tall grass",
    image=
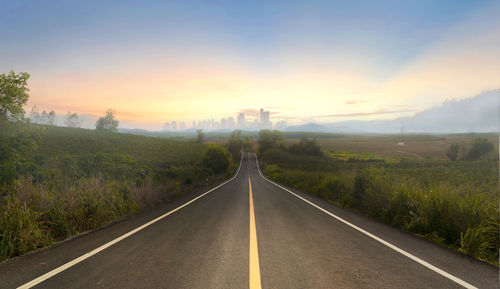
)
(455, 204)
(58, 182)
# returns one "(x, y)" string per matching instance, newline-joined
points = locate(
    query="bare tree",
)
(72, 120)
(35, 115)
(52, 118)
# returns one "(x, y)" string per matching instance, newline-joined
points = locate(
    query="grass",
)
(451, 203)
(57, 182)
(396, 146)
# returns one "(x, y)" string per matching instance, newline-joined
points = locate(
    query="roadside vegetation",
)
(453, 202)
(57, 182)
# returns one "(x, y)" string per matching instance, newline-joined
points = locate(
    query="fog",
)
(480, 113)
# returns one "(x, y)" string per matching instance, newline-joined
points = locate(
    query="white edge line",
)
(397, 249)
(111, 243)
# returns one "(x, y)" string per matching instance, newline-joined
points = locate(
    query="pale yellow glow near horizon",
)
(464, 63)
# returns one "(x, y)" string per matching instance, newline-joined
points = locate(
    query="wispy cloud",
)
(356, 101)
(252, 112)
(359, 114)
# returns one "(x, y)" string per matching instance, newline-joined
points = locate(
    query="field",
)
(57, 182)
(395, 146)
(405, 181)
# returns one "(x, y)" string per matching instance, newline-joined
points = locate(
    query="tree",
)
(107, 122)
(35, 115)
(51, 119)
(72, 120)
(452, 152)
(480, 147)
(200, 138)
(268, 139)
(13, 94)
(48, 118)
(308, 146)
(235, 144)
(217, 159)
(249, 144)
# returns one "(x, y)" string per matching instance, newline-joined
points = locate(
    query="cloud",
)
(356, 101)
(252, 112)
(360, 114)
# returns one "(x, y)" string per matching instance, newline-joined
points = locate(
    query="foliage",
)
(452, 152)
(479, 240)
(107, 122)
(217, 159)
(480, 147)
(249, 144)
(62, 181)
(235, 143)
(13, 94)
(308, 146)
(48, 118)
(200, 136)
(72, 120)
(20, 230)
(453, 203)
(268, 140)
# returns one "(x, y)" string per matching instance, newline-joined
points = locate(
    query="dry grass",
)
(396, 146)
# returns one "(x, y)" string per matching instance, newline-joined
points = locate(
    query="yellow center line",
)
(254, 249)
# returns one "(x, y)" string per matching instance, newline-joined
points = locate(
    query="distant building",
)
(166, 126)
(223, 124)
(280, 125)
(264, 119)
(230, 123)
(194, 124)
(173, 125)
(182, 125)
(241, 120)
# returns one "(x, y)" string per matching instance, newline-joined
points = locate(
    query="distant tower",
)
(166, 126)
(241, 120)
(182, 125)
(194, 124)
(173, 125)
(230, 123)
(264, 119)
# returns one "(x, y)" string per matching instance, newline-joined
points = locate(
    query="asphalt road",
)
(208, 244)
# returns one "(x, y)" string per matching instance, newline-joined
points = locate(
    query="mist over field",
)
(478, 113)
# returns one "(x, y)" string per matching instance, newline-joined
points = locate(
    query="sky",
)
(321, 61)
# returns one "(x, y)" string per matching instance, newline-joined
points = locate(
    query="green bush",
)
(20, 229)
(453, 203)
(217, 159)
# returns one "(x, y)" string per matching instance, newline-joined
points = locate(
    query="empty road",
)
(248, 232)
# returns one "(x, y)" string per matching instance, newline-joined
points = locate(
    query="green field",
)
(57, 182)
(453, 203)
(395, 146)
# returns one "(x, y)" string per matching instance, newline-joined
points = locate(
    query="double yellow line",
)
(254, 267)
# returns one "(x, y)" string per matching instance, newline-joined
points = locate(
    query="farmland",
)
(453, 203)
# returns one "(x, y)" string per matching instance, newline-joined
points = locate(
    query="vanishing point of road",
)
(247, 233)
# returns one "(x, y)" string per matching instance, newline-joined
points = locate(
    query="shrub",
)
(479, 148)
(20, 230)
(479, 241)
(217, 159)
(452, 152)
